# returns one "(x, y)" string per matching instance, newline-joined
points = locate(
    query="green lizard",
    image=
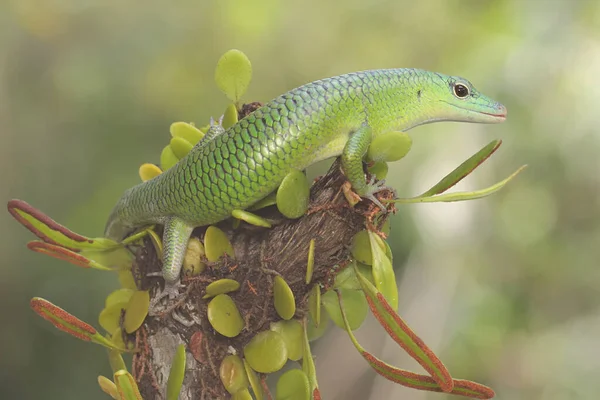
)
(234, 168)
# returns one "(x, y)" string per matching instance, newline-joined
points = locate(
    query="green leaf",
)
(116, 360)
(220, 286)
(108, 387)
(383, 271)
(70, 324)
(293, 385)
(464, 169)
(216, 244)
(308, 364)
(180, 147)
(293, 195)
(314, 304)
(379, 169)
(186, 131)
(126, 385)
(70, 256)
(292, 333)
(398, 330)
(192, 262)
(233, 74)
(462, 196)
(391, 146)
(230, 116)
(176, 374)
(51, 232)
(254, 381)
(232, 374)
(250, 218)
(136, 311)
(224, 316)
(357, 307)
(168, 158)
(266, 352)
(283, 298)
(149, 171)
(310, 264)
(110, 316)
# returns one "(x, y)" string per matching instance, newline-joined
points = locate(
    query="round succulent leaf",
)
(242, 395)
(254, 381)
(118, 296)
(361, 247)
(136, 311)
(126, 279)
(355, 304)
(216, 244)
(266, 352)
(346, 278)
(293, 334)
(314, 304)
(108, 387)
(167, 158)
(391, 146)
(233, 74)
(293, 195)
(366, 271)
(233, 374)
(250, 218)
(224, 316)
(192, 264)
(221, 286)
(180, 147)
(230, 116)
(186, 131)
(148, 171)
(312, 331)
(283, 298)
(110, 316)
(379, 169)
(293, 385)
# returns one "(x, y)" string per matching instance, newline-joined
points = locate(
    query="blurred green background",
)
(504, 289)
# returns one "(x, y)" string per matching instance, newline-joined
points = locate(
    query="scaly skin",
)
(248, 161)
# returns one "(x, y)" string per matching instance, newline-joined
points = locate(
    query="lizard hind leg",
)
(175, 239)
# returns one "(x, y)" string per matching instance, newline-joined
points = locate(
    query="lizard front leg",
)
(352, 163)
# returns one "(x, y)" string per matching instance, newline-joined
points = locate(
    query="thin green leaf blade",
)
(411, 379)
(383, 270)
(398, 330)
(176, 374)
(463, 169)
(462, 196)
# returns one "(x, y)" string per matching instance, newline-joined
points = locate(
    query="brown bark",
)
(260, 254)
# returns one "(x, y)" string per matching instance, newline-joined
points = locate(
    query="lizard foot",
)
(374, 187)
(171, 291)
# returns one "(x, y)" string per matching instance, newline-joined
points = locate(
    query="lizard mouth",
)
(493, 116)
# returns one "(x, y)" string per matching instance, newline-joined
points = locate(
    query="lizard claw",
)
(171, 291)
(374, 187)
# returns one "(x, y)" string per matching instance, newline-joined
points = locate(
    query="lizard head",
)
(458, 100)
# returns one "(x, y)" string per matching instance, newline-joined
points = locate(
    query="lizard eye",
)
(461, 91)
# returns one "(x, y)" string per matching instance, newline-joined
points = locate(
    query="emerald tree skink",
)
(233, 169)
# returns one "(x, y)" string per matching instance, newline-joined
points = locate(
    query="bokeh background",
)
(504, 289)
